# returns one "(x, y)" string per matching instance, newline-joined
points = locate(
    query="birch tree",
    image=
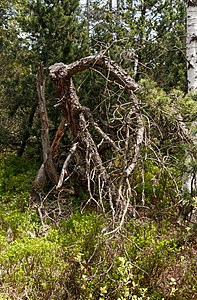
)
(192, 45)
(190, 176)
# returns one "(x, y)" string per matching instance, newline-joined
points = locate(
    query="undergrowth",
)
(77, 258)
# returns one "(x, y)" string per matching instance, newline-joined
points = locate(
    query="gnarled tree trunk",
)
(78, 118)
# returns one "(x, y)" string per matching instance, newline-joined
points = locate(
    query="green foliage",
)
(49, 23)
(187, 104)
(31, 32)
(16, 174)
(142, 39)
(35, 264)
(81, 231)
(76, 260)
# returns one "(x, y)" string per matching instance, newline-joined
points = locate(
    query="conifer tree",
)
(147, 36)
(37, 30)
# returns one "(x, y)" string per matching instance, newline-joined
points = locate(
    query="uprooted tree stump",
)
(126, 132)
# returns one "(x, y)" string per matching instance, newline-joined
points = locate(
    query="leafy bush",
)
(77, 261)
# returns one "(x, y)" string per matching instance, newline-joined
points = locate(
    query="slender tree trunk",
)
(189, 180)
(118, 5)
(110, 5)
(192, 45)
(141, 42)
(26, 133)
(88, 18)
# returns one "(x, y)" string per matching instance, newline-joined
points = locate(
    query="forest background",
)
(75, 242)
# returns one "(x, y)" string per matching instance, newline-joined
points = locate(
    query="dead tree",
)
(79, 119)
(108, 183)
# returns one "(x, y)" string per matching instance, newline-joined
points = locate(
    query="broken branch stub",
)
(48, 166)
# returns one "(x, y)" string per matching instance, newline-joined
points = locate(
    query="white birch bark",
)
(190, 177)
(191, 45)
(189, 182)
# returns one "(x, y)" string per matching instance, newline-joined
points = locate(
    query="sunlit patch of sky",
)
(114, 2)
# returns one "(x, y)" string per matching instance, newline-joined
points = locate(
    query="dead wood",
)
(100, 184)
(48, 166)
(109, 181)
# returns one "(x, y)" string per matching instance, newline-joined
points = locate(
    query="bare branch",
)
(63, 172)
(60, 70)
(58, 136)
(139, 140)
(100, 131)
